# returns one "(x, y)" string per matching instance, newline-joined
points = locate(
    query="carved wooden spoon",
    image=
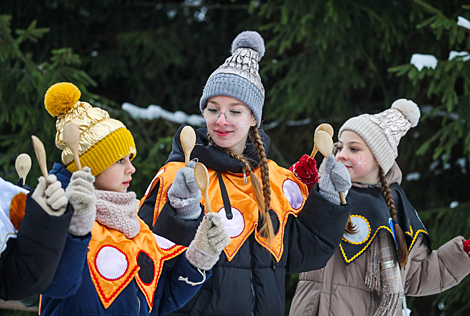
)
(322, 143)
(188, 140)
(202, 179)
(40, 155)
(23, 165)
(71, 137)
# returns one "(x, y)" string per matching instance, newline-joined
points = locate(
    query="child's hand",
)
(211, 238)
(466, 246)
(306, 170)
(335, 179)
(52, 199)
(184, 194)
(81, 195)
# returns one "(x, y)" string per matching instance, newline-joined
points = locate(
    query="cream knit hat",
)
(382, 131)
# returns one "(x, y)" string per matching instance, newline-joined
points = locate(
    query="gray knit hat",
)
(239, 76)
(382, 131)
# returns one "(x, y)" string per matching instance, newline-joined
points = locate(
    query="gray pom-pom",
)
(409, 109)
(249, 39)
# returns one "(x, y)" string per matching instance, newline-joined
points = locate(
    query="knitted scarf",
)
(118, 210)
(383, 276)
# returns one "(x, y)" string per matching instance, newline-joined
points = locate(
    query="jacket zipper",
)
(253, 305)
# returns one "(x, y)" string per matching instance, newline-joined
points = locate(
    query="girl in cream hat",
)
(389, 254)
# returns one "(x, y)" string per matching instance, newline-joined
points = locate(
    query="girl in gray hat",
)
(276, 225)
(389, 254)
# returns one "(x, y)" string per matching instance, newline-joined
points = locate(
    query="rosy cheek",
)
(359, 161)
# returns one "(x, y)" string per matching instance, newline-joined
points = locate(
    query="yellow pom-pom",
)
(61, 97)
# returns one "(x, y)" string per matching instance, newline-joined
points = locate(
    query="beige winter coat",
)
(337, 290)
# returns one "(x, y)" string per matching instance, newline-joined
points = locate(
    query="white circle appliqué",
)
(234, 226)
(111, 263)
(362, 230)
(293, 193)
(163, 243)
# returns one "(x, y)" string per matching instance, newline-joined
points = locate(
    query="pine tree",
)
(23, 83)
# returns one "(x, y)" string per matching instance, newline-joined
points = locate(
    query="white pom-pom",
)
(409, 109)
(249, 39)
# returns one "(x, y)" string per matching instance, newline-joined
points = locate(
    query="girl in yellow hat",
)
(120, 268)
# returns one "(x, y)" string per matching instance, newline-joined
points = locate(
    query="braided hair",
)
(262, 192)
(401, 241)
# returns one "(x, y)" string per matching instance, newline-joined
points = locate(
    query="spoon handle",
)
(40, 155)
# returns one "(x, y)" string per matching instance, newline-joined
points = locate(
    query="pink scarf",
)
(119, 211)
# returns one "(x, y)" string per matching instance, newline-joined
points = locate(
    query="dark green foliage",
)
(325, 62)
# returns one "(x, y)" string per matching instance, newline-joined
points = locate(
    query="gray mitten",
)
(334, 179)
(184, 194)
(52, 199)
(211, 238)
(81, 195)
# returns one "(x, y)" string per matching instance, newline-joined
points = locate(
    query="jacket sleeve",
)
(180, 283)
(316, 233)
(168, 224)
(68, 276)
(437, 271)
(29, 262)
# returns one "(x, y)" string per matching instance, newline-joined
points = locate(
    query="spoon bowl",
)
(202, 179)
(71, 137)
(188, 141)
(40, 155)
(23, 165)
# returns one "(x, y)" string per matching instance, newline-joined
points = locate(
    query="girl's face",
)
(117, 177)
(357, 157)
(228, 131)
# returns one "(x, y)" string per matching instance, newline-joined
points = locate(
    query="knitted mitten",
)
(184, 194)
(466, 246)
(53, 199)
(211, 238)
(335, 179)
(306, 170)
(81, 195)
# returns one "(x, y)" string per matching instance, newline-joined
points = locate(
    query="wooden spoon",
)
(71, 137)
(325, 127)
(40, 155)
(23, 165)
(188, 140)
(324, 143)
(202, 179)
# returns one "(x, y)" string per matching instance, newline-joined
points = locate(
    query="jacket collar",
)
(213, 157)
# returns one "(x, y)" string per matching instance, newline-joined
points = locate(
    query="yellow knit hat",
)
(103, 140)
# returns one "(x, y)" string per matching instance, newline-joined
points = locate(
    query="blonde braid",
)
(266, 229)
(401, 241)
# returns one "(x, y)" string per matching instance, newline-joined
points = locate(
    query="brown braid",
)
(266, 229)
(401, 241)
